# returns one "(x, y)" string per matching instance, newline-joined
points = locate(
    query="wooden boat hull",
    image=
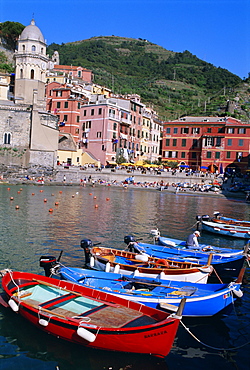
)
(108, 322)
(108, 259)
(227, 265)
(202, 300)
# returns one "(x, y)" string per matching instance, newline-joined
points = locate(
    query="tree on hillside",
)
(9, 33)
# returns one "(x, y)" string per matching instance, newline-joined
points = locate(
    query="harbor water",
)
(42, 220)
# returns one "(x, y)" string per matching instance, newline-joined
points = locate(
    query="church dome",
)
(32, 32)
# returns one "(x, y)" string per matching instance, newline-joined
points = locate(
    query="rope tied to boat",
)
(207, 345)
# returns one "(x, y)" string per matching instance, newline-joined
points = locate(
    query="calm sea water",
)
(106, 215)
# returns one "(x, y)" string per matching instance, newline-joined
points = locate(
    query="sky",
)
(216, 31)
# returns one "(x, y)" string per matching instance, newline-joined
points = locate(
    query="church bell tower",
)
(31, 64)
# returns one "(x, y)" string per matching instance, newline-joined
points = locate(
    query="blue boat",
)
(226, 262)
(225, 226)
(201, 299)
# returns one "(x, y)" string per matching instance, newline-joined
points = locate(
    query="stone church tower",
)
(28, 133)
(31, 65)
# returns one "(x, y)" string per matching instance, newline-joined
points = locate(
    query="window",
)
(58, 104)
(174, 154)
(77, 132)
(84, 112)
(168, 130)
(78, 105)
(221, 130)
(100, 111)
(241, 130)
(239, 156)
(209, 129)
(218, 141)
(32, 74)
(99, 134)
(175, 130)
(167, 142)
(174, 142)
(6, 138)
(195, 143)
(79, 74)
(183, 154)
(241, 142)
(103, 147)
(138, 134)
(33, 48)
(92, 112)
(58, 93)
(23, 47)
(65, 118)
(209, 141)
(193, 155)
(184, 130)
(183, 142)
(217, 155)
(66, 104)
(114, 126)
(228, 154)
(209, 154)
(229, 142)
(195, 130)
(77, 119)
(21, 73)
(230, 130)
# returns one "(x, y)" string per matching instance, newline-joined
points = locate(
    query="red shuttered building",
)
(207, 143)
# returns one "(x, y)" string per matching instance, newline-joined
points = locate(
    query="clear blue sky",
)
(217, 31)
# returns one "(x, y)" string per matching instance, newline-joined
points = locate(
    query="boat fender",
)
(117, 269)
(136, 273)
(238, 293)
(13, 305)
(162, 275)
(107, 267)
(141, 257)
(86, 334)
(92, 262)
(43, 322)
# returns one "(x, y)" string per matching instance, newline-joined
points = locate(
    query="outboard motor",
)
(198, 218)
(205, 217)
(48, 262)
(217, 214)
(130, 241)
(86, 244)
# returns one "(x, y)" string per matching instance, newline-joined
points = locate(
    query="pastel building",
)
(114, 127)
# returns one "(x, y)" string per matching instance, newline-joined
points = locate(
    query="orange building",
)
(207, 143)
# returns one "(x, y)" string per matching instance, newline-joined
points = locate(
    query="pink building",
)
(111, 128)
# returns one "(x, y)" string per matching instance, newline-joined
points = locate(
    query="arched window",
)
(6, 138)
(32, 74)
(41, 50)
(21, 73)
(23, 46)
(33, 48)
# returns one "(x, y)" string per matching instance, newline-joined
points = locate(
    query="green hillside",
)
(173, 83)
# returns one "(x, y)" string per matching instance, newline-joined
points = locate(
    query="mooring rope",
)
(207, 345)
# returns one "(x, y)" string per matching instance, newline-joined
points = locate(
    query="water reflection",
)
(32, 231)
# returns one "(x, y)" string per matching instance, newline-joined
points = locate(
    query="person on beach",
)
(192, 240)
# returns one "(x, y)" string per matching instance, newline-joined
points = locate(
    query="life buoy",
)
(161, 262)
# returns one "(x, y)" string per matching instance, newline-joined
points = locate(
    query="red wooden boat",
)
(89, 317)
